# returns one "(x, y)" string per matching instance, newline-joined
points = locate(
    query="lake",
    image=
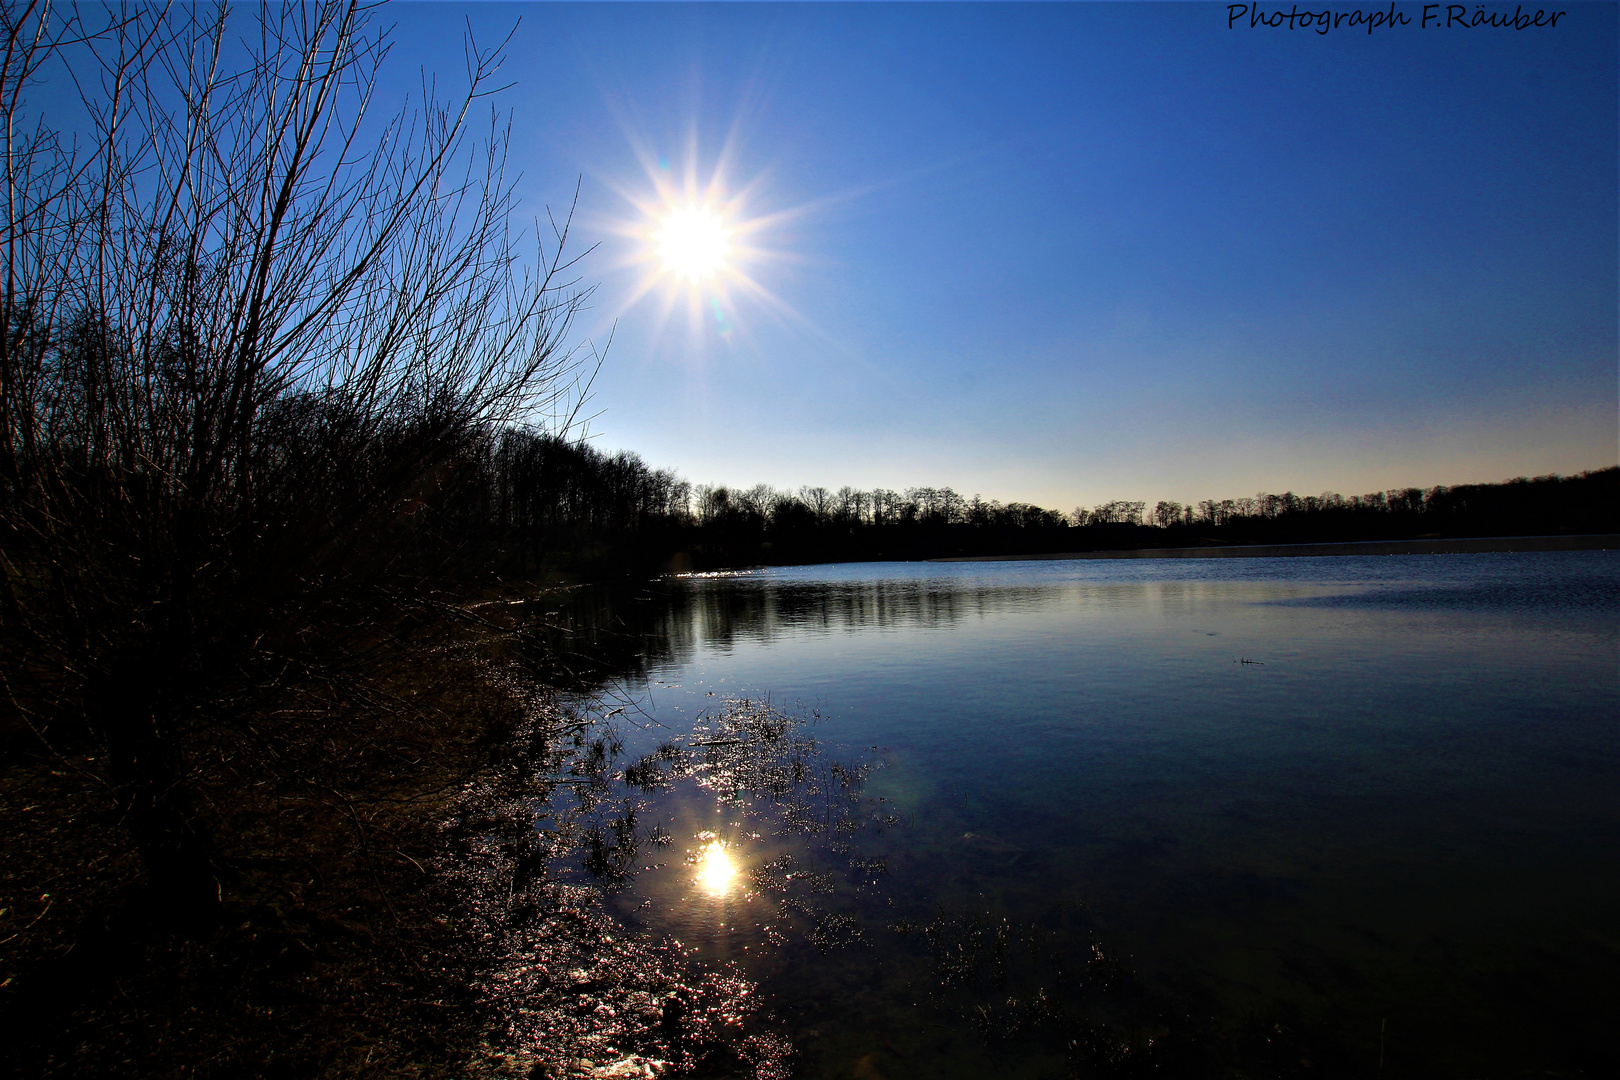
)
(1316, 816)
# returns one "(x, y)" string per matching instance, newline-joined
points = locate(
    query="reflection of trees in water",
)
(724, 613)
(628, 631)
(585, 634)
(669, 620)
(664, 624)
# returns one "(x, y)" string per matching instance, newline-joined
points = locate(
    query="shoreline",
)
(1455, 546)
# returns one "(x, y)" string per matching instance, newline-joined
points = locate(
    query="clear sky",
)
(1067, 253)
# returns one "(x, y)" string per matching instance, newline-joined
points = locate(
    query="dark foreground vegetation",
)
(271, 741)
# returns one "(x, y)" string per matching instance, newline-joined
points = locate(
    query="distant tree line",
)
(565, 506)
(1588, 502)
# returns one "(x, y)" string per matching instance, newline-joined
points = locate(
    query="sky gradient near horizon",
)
(1067, 253)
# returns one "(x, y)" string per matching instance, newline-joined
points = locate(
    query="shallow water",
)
(1336, 810)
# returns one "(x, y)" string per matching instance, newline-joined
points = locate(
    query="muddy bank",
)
(391, 914)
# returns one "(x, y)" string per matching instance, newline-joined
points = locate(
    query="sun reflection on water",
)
(716, 871)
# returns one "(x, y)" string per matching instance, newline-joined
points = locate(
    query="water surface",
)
(1367, 805)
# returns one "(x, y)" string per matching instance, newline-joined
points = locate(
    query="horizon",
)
(1064, 254)
(909, 491)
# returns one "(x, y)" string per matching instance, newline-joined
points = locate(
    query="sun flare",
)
(693, 242)
(700, 244)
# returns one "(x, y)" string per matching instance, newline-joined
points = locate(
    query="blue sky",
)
(1067, 253)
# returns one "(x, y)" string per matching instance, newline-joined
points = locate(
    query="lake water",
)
(1315, 816)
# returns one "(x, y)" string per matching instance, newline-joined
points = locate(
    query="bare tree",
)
(818, 499)
(756, 502)
(1117, 512)
(251, 333)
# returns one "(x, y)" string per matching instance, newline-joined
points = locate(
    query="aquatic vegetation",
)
(1024, 985)
(578, 994)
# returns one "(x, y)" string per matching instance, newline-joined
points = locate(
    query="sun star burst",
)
(693, 242)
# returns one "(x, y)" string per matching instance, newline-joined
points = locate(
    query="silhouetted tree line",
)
(1588, 502)
(566, 506)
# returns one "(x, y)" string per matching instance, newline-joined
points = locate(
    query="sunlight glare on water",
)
(716, 871)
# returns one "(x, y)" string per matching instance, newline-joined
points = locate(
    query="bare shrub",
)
(256, 340)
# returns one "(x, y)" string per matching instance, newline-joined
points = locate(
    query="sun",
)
(693, 243)
(698, 242)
